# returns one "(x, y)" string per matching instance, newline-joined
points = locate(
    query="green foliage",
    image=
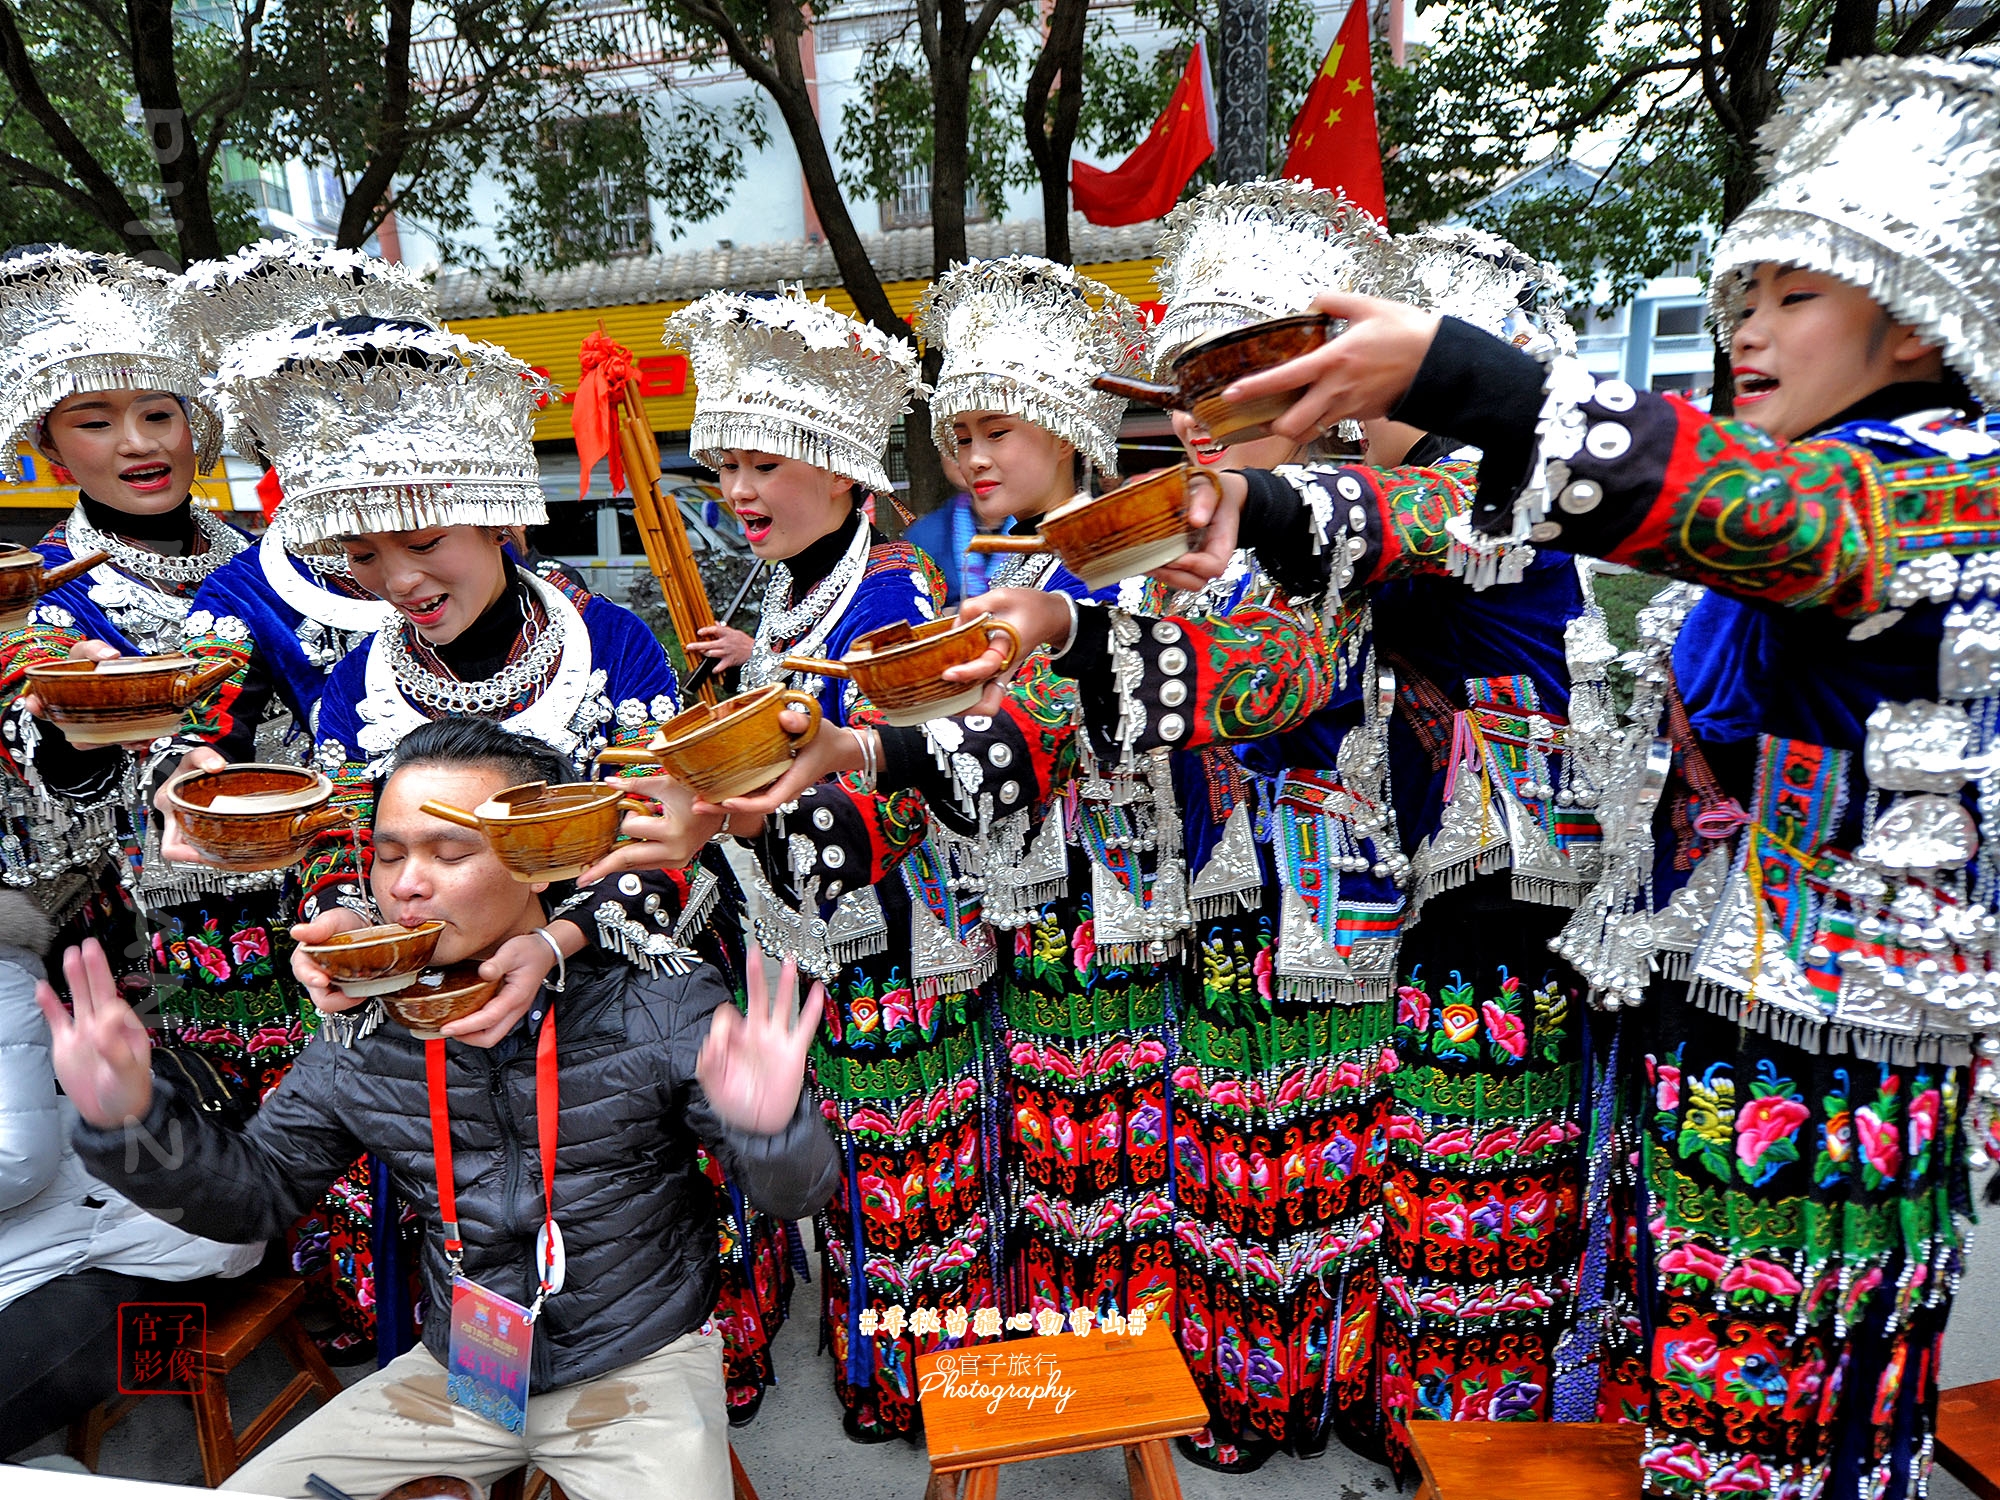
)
(889, 124)
(1126, 90)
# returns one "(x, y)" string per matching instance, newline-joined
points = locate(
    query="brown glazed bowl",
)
(899, 668)
(125, 699)
(24, 579)
(1203, 370)
(1116, 535)
(252, 817)
(544, 832)
(376, 960)
(729, 749)
(437, 997)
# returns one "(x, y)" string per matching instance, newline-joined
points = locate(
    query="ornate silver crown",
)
(1240, 253)
(788, 376)
(285, 285)
(388, 430)
(72, 321)
(1027, 336)
(1483, 280)
(1886, 173)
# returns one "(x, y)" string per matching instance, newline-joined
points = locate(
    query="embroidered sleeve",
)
(838, 838)
(1322, 532)
(334, 871)
(43, 639)
(649, 918)
(226, 719)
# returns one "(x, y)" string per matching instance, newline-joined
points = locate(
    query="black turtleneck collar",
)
(819, 559)
(176, 525)
(481, 649)
(1898, 400)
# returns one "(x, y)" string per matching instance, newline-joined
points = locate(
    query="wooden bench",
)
(1968, 1436)
(1527, 1460)
(242, 1315)
(1123, 1392)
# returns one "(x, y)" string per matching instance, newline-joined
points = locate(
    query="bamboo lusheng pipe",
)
(993, 542)
(661, 531)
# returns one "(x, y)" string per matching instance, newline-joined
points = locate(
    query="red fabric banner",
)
(1149, 181)
(607, 365)
(1334, 142)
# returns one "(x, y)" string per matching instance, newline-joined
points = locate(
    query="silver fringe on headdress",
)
(793, 377)
(286, 285)
(72, 321)
(1885, 173)
(390, 430)
(1483, 280)
(1026, 336)
(1240, 253)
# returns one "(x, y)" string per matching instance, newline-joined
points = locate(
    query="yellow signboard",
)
(39, 489)
(550, 341)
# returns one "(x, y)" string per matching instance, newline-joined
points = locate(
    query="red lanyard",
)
(546, 1109)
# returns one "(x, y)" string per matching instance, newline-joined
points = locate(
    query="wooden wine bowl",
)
(728, 749)
(24, 578)
(1203, 370)
(900, 667)
(1113, 536)
(376, 960)
(438, 997)
(542, 832)
(253, 817)
(125, 699)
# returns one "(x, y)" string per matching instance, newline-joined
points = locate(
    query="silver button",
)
(1000, 755)
(823, 819)
(1544, 531)
(1615, 395)
(1580, 498)
(1166, 632)
(1173, 692)
(833, 856)
(1607, 440)
(1357, 519)
(1009, 791)
(1172, 726)
(1349, 487)
(630, 885)
(833, 889)
(979, 723)
(1173, 659)
(1356, 546)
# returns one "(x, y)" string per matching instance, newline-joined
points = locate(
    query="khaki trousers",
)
(657, 1427)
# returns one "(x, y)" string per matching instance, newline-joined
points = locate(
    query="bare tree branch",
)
(1921, 25)
(1619, 86)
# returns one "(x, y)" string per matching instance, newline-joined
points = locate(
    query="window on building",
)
(263, 184)
(1677, 321)
(911, 207)
(1682, 381)
(597, 167)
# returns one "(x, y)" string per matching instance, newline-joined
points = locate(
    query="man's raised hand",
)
(753, 1065)
(102, 1053)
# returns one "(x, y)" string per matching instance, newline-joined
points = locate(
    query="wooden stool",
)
(242, 1316)
(1968, 1436)
(1527, 1460)
(1123, 1392)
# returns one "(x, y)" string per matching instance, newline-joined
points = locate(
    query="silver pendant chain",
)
(156, 567)
(790, 624)
(487, 695)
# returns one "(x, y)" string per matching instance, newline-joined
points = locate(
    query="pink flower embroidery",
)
(1413, 1008)
(1083, 945)
(1880, 1147)
(1746, 1476)
(212, 960)
(1763, 1122)
(1024, 941)
(1923, 1121)
(251, 942)
(1260, 967)
(1694, 1260)
(1667, 1088)
(1682, 1461)
(1768, 1277)
(1506, 1030)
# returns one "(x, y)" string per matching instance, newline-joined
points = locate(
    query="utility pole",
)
(1242, 85)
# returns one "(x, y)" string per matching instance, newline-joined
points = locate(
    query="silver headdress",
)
(788, 376)
(72, 321)
(1026, 336)
(1886, 173)
(1481, 279)
(388, 430)
(1239, 253)
(289, 284)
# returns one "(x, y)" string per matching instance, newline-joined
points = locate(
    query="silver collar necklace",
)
(157, 567)
(484, 696)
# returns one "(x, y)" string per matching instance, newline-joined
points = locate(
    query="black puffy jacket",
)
(638, 1221)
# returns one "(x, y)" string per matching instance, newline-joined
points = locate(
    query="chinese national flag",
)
(1149, 181)
(1334, 144)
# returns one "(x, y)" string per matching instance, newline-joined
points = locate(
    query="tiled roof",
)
(899, 255)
